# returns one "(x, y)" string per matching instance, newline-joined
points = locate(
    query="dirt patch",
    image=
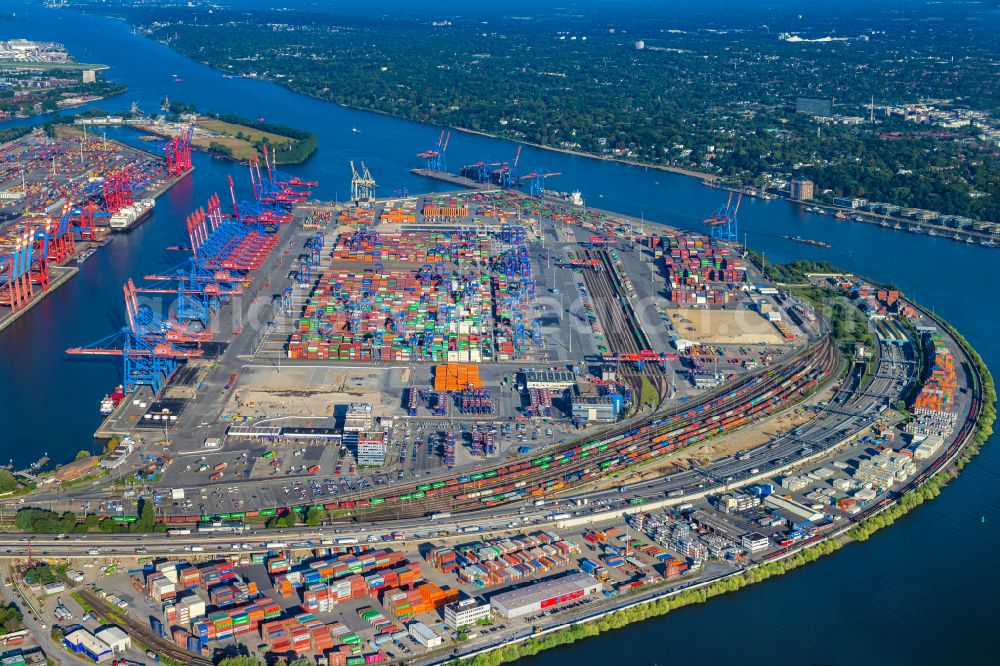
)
(740, 327)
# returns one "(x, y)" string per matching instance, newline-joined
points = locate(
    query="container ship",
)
(109, 402)
(129, 216)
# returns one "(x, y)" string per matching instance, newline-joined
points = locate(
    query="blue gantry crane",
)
(435, 158)
(724, 223)
(536, 181)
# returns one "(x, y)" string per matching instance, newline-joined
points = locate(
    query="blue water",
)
(923, 591)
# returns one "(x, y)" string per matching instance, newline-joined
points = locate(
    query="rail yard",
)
(393, 429)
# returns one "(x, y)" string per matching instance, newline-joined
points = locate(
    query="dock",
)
(451, 178)
(59, 275)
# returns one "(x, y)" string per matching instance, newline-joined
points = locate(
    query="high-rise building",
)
(801, 189)
(814, 106)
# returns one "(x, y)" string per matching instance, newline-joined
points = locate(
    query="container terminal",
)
(496, 412)
(61, 197)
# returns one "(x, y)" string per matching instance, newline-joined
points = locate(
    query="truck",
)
(440, 516)
(347, 541)
(557, 516)
(273, 545)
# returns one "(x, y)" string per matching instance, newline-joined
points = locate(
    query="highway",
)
(852, 414)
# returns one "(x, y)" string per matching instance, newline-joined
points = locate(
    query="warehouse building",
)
(424, 635)
(466, 612)
(544, 594)
(549, 379)
(115, 638)
(791, 510)
(83, 642)
(594, 408)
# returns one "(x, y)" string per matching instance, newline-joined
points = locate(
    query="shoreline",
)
(711, 178)
(662, 603)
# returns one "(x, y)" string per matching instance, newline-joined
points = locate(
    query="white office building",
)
(466, 612)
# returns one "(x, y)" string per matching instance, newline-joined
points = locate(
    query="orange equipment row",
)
(456, 377)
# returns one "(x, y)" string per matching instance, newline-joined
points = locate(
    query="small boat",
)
(83, 256)
(841, 216)
(931, 232)
(356, 130)
(956, 237)
(897, 226)
(969, 239)
(988, 243)
(177, 79)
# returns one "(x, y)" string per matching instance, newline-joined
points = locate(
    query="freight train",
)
(544, 475)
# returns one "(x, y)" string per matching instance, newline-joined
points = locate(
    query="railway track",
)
(621, 328)
(140, 631)
(642, 443)
(726, 409)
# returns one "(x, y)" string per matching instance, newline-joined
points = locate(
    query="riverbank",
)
(579, 153)
(922, 490)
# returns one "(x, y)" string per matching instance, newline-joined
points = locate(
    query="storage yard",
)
(480, 413)
(458, 305)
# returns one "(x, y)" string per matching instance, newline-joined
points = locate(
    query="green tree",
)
(315, 516)
(240, 661)
(7, 481)
(81, 454)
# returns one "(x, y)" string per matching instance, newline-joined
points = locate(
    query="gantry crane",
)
(723, 224)
(362, 185)
(434, 158)
(536, 181)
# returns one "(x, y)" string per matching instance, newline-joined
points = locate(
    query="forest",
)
(700, 94)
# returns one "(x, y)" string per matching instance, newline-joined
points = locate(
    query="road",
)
(831, 426)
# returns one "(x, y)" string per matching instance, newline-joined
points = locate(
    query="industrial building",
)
(544, 594)
(791, 510)
(83, 642)
(594, 408)
(424, 635)
(117, 457)
(466, 612)
(754, 542)
(736, 502)
(115, 638)
(849, 202)
(549, 379)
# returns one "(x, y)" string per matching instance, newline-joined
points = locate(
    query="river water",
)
(919, 592)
